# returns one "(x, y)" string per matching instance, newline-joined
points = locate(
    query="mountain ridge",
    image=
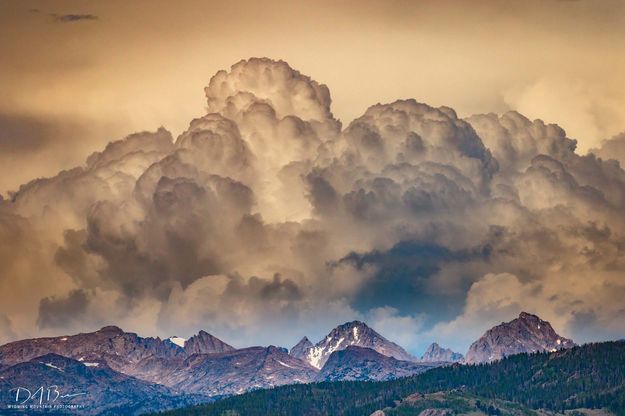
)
(359, 363)
(204, 366)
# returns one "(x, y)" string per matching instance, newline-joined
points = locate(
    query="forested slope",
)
(591, 376)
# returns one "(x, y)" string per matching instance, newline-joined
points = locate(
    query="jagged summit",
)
(525, 334)
(299, 349)
(354, 333)
(528, 316)
(205, 343)
(436, 353)
(201, 343)
(121, 350)
(111, 329)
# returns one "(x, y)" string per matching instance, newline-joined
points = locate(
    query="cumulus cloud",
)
(262, 81)
(612, 149)
(588, 108)
(402, 329)
(267, 215)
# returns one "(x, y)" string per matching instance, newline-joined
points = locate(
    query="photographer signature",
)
(43, 395)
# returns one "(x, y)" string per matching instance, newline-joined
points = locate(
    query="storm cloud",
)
(267, 213)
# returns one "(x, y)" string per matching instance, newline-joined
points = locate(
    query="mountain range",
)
(176, 371)
(584, 380)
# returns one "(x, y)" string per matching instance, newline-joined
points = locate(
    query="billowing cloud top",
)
(263, 81)
(266, 215)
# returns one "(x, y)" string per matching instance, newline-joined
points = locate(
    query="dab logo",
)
(40, 397)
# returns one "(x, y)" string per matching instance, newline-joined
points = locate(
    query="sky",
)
(298, 202)
(71, 86)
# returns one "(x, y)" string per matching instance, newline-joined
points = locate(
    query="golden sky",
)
(265, 212)
(70, 86)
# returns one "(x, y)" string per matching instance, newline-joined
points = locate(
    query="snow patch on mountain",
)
(353, 333)
(52, 366)
(284, 364)
(178, 341)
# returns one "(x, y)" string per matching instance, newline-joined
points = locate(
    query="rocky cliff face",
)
(357, 363)
(525, 334)
(436, 353)
(357, 334)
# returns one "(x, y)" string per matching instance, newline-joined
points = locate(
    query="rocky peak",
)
(299, 349)
(111, 330)
(205, 343)
(525, 334)
(354, 333)
(436, 353)
(272, 349)
(530, 318)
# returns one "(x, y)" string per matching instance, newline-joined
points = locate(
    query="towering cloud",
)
(267, 214)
